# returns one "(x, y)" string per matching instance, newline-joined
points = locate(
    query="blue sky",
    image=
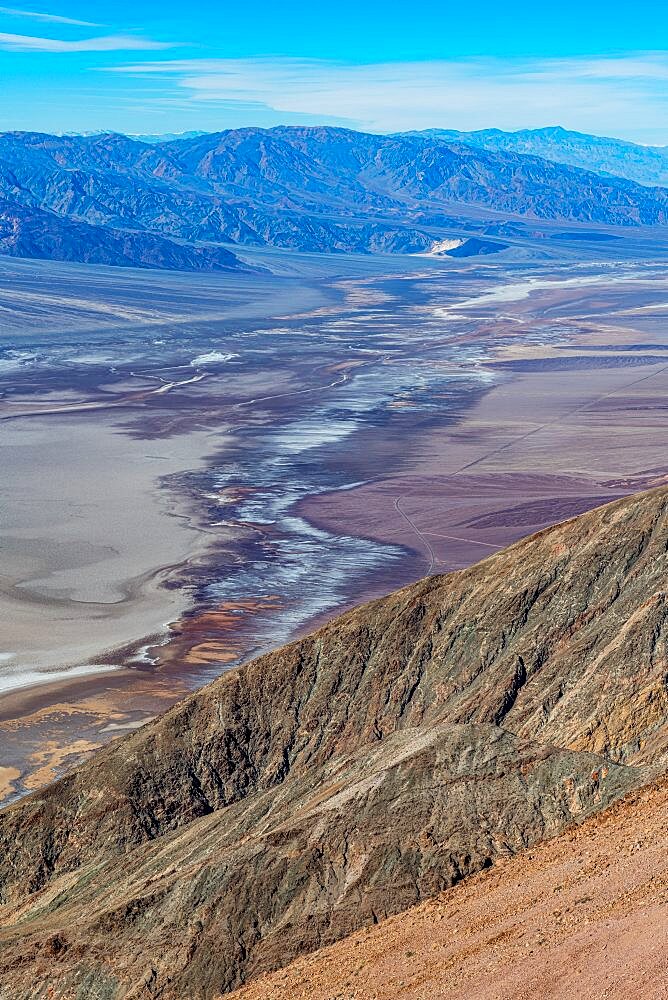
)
(139, 67)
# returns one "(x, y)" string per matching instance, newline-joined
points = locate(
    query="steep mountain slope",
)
(584, 915)
(317, 189)
(350, 774)
(643, 164)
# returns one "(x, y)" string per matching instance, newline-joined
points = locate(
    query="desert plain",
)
(198, 468)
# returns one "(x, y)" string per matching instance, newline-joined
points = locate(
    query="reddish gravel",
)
(582, 916)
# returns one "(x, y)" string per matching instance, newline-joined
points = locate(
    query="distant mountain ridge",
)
(647, 165)
(44, 235)
(166, 136)
(173, 204)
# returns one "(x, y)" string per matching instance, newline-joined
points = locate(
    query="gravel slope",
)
(582, 916)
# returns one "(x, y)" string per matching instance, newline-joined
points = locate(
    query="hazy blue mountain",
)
(149, 139)
(646, 165)
(172, 204)
(167, 136)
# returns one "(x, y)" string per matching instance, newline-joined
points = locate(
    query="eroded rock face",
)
(350, 774)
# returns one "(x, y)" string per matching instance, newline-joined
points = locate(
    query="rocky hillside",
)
(351, 774)
(583, 915)
(312, 189)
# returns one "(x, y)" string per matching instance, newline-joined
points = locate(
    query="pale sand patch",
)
(88, 536)
(124, 727)
(8, 777)
(49, 728)
(51, 757)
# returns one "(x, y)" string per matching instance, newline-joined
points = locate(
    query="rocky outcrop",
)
(350, 774)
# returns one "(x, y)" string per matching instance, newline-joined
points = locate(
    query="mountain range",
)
(610, 157)
(184, 203)
(402, 747)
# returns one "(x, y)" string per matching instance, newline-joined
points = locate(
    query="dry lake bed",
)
(196, 468)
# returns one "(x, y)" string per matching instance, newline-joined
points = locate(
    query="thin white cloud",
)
(51, 18)
(104, 43)
(622, 95)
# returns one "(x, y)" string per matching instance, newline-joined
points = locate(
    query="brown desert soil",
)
(8, 776)
(583, 916)
(47, 729)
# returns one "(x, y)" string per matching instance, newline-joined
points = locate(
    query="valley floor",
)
(583, 916)
(197, 469)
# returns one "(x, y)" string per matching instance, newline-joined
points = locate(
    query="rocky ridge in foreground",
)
(405, 745)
